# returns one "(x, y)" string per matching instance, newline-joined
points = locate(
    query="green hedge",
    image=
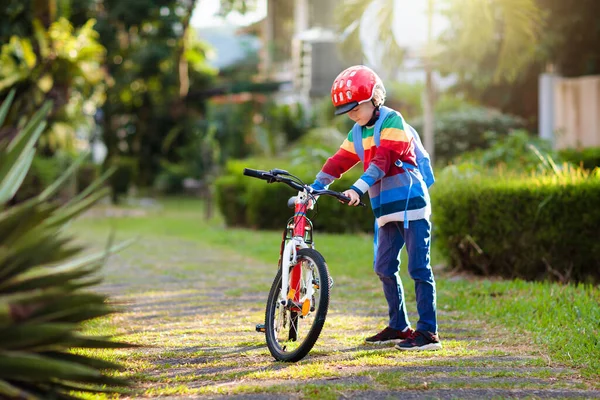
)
(250, 202)
(530, 228)
(588, 158)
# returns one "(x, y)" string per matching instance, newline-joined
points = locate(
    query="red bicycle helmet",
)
(353, 86)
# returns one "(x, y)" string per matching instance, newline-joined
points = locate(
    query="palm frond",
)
(42, 282)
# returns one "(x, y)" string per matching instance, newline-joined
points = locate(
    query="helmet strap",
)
(374, 117)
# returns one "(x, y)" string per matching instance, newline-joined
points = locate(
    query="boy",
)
(399, 198)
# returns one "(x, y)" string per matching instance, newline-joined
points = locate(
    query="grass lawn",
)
(490, 328)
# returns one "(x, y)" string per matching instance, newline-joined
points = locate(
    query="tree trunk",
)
(429, 94)
(44, 11)
(184, 81)
(428, 113)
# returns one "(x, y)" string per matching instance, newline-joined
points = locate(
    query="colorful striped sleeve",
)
(394, 144)
(344, 159)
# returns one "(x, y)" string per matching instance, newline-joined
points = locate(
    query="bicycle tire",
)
(275, 308)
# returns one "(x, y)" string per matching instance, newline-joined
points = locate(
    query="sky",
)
(204, 16)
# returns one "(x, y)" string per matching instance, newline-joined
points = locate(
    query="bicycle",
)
(299, 297)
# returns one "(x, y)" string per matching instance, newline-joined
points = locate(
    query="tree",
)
(559, 33)
(503, 33)
(153, 59)
(49, 58)
(370, 24)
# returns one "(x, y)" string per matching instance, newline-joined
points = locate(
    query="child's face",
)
(362, 113)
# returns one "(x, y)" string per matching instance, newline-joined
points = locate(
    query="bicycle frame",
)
(300, 232)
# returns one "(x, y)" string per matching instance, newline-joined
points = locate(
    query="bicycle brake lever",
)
(277, 171)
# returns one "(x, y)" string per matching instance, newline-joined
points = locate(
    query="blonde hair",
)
(378, 94)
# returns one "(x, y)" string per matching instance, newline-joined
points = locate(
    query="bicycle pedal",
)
(330, 282)
(260, 328)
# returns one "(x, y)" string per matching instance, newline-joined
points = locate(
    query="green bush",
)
(518, 150)
(245, 201)
(170, 179)
(543, 227)
(231, 194)
(588, 158)
(462, 131)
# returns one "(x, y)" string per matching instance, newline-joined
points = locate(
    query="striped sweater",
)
(390, 187)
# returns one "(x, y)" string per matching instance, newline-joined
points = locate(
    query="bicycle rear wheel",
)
(290, 330)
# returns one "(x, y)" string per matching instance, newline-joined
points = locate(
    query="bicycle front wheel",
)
(293, 328)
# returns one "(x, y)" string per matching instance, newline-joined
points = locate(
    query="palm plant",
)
(502, 35)
(43, 281)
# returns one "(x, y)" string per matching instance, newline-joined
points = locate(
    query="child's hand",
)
(354, 197)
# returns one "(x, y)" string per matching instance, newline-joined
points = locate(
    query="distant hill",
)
(229, 46)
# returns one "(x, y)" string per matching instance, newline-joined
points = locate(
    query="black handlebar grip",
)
(347, 200)
(253, 173)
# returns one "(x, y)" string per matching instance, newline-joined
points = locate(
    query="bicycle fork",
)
(289, 295)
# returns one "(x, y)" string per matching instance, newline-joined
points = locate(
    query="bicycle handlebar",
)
(278, 175)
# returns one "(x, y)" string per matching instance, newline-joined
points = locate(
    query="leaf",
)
(52, 189)
(27, 137)
(76, 209)
(26, 217)
(45, 277)
(6, 105)
(21, 146)
(14, 177)
(33, 296)
(22, 336)
(8, 391)
(92, 187)
(38, 246)
(13, 216)
(35, 368)
(70, 313)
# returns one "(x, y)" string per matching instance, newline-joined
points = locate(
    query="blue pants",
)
(389, 240)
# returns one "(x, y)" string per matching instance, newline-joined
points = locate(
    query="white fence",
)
(570, 111)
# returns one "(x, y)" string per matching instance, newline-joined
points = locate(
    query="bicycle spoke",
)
(298, 323)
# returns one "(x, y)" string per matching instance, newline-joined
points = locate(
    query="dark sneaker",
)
(389, 335)
(421, 340)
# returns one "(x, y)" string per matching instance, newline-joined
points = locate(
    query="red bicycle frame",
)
(298, 226)
(299, 231)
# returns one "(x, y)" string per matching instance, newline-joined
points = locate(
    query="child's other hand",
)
(354, 197)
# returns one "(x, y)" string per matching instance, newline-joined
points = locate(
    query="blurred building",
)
(570, 110)
(300, 48)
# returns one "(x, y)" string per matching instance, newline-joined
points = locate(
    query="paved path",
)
(194, 310)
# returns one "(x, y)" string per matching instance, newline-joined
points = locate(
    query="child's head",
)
(357, 91)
